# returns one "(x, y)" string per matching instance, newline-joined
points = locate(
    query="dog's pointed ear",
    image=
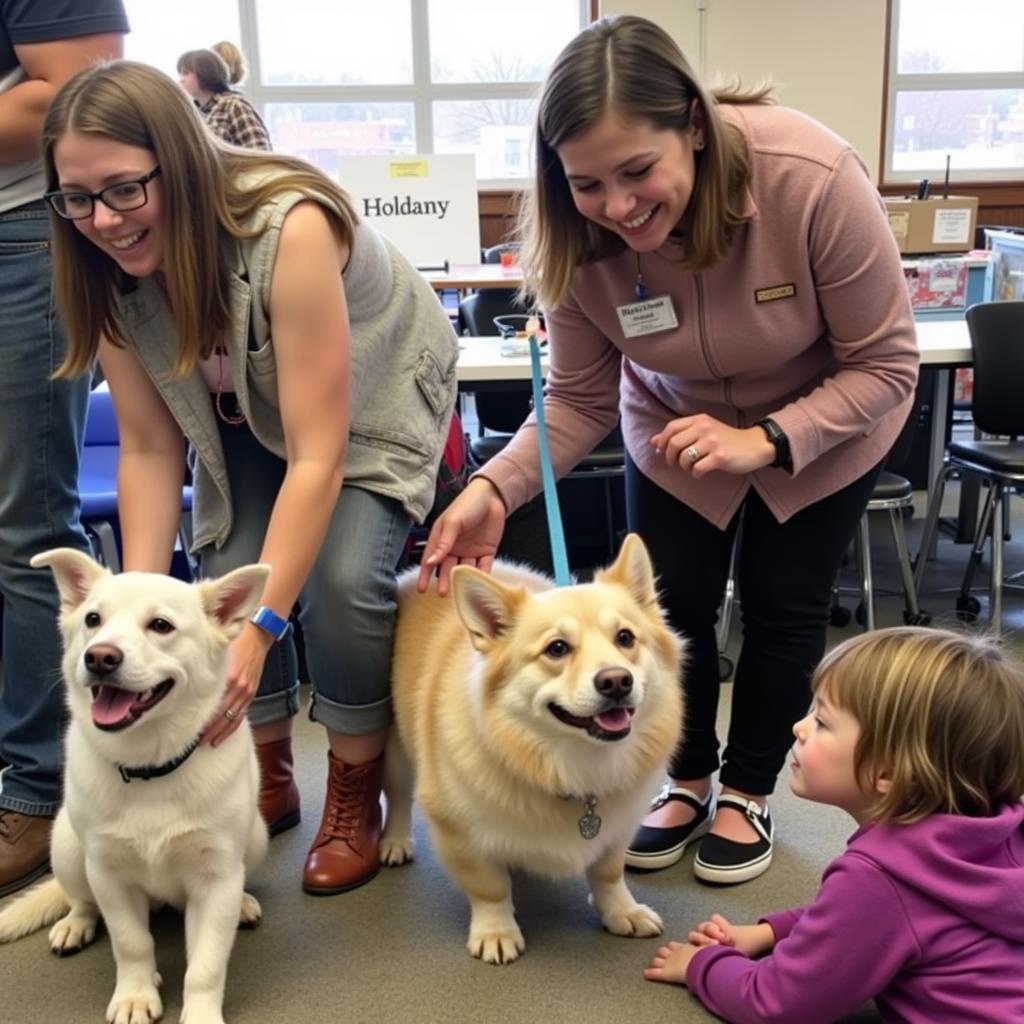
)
(74, 572)
(487, 608)
(633, 571)
(232, 598)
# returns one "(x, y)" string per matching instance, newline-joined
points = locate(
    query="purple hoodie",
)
(927, 919)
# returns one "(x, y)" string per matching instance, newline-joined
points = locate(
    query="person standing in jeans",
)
(42, 44)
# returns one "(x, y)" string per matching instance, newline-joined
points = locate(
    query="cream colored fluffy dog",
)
(534, 724)
(150, 816)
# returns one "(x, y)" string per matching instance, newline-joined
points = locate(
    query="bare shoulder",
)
(311, 253)
(308, 223)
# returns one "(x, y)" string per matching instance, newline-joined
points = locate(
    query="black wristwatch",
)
(775, 434)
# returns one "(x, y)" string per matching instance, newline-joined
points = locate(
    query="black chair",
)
(97, 488)
(997, 345)
(502, 410)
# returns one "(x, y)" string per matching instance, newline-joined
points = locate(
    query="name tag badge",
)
(648, 316)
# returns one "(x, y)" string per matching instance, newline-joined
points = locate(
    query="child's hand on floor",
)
(670, 963)
(717, 931)
(751, 939)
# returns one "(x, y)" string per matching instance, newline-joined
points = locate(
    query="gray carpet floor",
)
(393, 951)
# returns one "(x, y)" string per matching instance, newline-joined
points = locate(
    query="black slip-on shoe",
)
(655, 848)
(726, 862)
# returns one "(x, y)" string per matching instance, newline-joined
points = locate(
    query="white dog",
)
(150, 816)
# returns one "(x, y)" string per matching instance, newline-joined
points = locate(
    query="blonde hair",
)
(629, 66)
(941, 715)
(208, 195)
(234, 58)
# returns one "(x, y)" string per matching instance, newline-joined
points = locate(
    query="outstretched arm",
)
(823, 968)
(151, 462)
(311, 349)
(672, 960)
(751, 939)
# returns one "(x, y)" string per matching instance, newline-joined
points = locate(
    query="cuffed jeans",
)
(41, 426)
(347, 607)
(785, 573)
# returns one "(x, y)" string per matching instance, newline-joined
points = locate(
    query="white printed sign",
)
(427, 205)
(952, 227)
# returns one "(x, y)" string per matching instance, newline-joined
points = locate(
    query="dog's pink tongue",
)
(613, 720)
(111, 705)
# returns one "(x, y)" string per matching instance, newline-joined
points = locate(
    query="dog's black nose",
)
(613, 683)
(102, 659)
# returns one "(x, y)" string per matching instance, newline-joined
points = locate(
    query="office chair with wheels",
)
(997, 345)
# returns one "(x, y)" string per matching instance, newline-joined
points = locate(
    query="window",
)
(161, 33)
(385, 77)
(956, 89)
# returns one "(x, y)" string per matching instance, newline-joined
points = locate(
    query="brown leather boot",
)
(24, 849)
(279, 796)
(346, 850)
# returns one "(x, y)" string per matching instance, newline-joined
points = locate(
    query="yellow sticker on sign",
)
(409, 169)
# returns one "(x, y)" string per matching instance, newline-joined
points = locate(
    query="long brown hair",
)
(941, 715)
(209, 67)
(210, 191)
(628, 65)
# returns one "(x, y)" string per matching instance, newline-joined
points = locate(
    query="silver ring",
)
(230, 715)
(692, 454)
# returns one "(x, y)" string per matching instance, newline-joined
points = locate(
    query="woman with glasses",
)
(240, 308)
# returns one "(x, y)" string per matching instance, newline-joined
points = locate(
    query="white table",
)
(465, 277)
(481, 362)
(944, 344)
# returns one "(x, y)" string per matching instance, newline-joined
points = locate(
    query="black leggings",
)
(785, 573)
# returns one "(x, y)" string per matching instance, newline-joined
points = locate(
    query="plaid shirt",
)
(233, 118)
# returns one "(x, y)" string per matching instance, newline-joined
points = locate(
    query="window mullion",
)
(422, 96)
(250, 44)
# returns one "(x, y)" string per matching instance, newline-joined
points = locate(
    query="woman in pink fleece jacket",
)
(718, 271)
(919, 736)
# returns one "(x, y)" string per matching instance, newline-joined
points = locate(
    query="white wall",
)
(825, 56)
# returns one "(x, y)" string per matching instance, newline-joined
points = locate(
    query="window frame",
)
(421, 92)
(896, 83)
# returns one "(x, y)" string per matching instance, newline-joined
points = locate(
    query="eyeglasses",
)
(122, 197)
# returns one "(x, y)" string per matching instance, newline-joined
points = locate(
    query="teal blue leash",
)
(556, 533)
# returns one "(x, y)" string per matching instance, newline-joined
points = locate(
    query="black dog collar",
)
(150, 771)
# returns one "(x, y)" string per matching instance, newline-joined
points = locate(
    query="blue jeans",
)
(41, 426)
(347, 607)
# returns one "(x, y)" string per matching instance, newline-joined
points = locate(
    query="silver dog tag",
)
(589, 823)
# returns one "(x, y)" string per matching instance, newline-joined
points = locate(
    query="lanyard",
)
(556, 533)
(641, 285)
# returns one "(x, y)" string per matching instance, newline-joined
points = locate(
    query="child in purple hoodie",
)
(919, 735)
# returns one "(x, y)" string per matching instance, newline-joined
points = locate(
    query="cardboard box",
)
(933, 225)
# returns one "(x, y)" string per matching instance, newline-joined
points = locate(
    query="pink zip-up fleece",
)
(806, 319)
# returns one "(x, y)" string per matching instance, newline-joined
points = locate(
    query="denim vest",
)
(403, 355)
